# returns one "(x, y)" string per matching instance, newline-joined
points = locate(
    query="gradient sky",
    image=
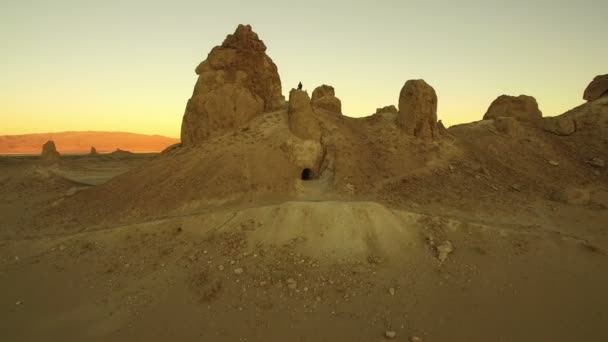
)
(129, 65)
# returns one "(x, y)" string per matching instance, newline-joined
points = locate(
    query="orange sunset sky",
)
(129, 65)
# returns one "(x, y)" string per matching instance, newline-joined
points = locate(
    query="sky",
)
(129, 65)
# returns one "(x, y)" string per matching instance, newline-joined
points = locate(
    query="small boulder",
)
(522, 108)
(418, 109)
(324, 97)
(443, 250)
(49, 151)
(597, 88)
(390, 334)
(93, 151)
(302, 120)
(559, 125)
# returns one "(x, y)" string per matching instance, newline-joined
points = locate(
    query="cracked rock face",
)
(236, 82)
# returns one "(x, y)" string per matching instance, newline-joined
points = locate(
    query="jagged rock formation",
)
(324, 97)
(237, 82)
(522, 107)
(560, 125)
(597, 88)
(418, 109)
(93, 151)
(49, 151)
(302, 121)
(387, 109)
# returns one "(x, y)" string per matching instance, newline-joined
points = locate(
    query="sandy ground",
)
(302, 269)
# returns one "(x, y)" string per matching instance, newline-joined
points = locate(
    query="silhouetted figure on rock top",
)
(300, 86)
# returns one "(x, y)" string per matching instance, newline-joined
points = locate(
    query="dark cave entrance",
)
(307, 174)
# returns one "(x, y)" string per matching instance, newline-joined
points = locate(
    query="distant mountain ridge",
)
(82, 141)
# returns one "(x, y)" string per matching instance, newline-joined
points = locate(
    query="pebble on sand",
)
(238, 271)
(390, 334)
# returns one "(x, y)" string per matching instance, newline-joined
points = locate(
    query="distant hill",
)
(81, 142)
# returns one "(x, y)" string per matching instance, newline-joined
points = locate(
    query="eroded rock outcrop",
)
(324, 97)
(302, 120)
(597, 88)
(522, 108)
(418, 109)
(237, 82)
(387, 109)
(93, 151)
(49, 151)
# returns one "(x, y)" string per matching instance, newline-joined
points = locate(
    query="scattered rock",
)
(220, 267)
(596, 162)
(390, 334)
(391, 291)
(559, 125)
(292, 284)
(93, 151)
(236, 82)
(597, 88)
(522, 108)
(238, 271)
(324, 97)
(418, 109)
(415, 339)
(443, 250)
(516, 187)
(49, 151)
(553, 162)
(302, 120)
(18, 302)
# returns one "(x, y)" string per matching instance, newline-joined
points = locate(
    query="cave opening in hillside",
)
(307, 174)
